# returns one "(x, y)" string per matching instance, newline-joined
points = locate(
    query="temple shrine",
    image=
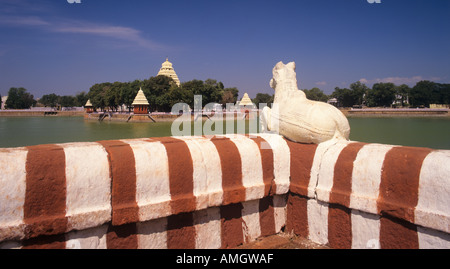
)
(167, 70)
(140, 103)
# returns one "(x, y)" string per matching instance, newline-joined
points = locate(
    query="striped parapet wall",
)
(222, 191)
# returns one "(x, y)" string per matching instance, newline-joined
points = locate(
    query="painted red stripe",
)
(181, 175)
(45, 196)
(266, 216)
(398, 196)
(231, 225)
(342, 181)
(230, 161)
(122, 236)
(399, 185)
(397, 234)
(123, 174)
(181, 231)
(267, 165)
(302, 157)
(297, 212)
(339, 227)
(339, 214)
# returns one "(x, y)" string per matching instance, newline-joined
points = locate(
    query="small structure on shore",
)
(140, 103)
(88, 107)
(245, 105)
(245, 101)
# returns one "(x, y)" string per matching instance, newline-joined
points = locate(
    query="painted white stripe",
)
(326, 171)
(365, 230)
(152, 179)
(12, 192)
(208, 228)
(432, 239)
(433, 206)
(152, 234)
(207, 171)
(250, 220)
(321, 149)
(279, 205)
(317, 221)
(366, 177)
(281, 161)
(93, 238)
(252, 175)
(88, 185)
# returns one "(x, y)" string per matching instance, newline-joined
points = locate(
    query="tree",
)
(401, 94)
(427, 92)
(19, 98)
(50, 100)
(128, 92)
(66, 101)
(97, 94)
(344, 97)
(358, 91)
(154, 90)
(381, 94)
(316, 94)
(445, 93)
(81, 99)
(263, 98)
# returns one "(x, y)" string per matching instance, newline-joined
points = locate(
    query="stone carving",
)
(297, 118)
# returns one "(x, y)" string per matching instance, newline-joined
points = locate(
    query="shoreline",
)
(21, 113)
(395, 112)
(369, 113)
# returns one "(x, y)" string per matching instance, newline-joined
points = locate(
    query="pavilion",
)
(140, 103)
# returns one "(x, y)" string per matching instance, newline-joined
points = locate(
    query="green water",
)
(17, 131)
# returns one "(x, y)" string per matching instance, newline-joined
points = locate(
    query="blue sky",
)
(56, 47)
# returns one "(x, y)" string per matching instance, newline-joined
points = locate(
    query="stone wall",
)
(220, 192)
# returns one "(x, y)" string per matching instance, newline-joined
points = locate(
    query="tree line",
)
(161, 93)
(20, 98)
(383, 94)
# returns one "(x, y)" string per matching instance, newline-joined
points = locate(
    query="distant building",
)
(246, 101)
(439, 106)
(88, 106)
(245, 104)
(167, 70)
(4, 98)
(333, 101)
(140, 103)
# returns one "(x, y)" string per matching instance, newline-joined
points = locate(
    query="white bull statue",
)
(297, 118)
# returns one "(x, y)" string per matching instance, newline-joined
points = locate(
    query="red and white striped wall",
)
(219, 192)
(360, 195)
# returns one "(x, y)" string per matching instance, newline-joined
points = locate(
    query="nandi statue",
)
(297, 118)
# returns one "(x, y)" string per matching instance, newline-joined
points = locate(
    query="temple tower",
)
(167, 70)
